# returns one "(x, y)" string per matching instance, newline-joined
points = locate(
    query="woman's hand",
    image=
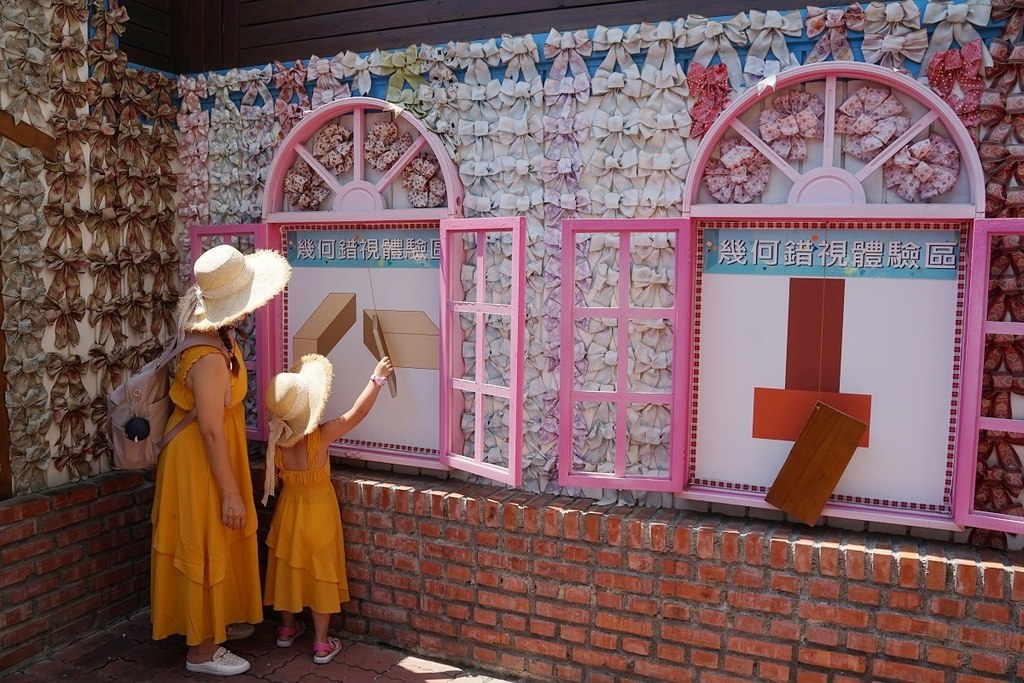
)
(384, 367)
(232, 513)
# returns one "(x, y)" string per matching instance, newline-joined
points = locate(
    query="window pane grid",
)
(619, 350)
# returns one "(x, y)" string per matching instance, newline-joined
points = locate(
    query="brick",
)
(908, 569)
(691, 636)
(935, 573)
(865, 595)
(746, 577)
(995, 613)
(990, 663)
(14, 533)
(854, 559)
(599, 658)
(803, 556)
(944, 656)
(706, 660)
(902, 649)
(906, 601)
(22, 507)
(822, 636)
(772, 672)
(993, 580)
(689, 591)
(965, 578)
(823, 589)
(862, 642)
(26, 549)
(954, 608)
(901, 672)
(741, 666)
(786, 584)
(759, 648)
(832, 660)
(657, 671)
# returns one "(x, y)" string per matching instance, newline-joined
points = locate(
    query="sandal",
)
(286, 636)
(325, 652)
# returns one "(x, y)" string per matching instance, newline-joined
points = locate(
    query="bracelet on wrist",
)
(378, 380)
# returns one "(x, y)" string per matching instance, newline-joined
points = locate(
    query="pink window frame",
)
(451, 308)
(267, 318)
(971, 422)
(681, 315)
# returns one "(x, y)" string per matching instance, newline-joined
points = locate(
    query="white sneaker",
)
(240, 631)
(224, 663)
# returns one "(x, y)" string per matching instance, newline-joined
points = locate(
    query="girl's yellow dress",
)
(204, 575)
(306, 562)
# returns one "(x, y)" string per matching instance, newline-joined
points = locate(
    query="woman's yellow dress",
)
(204, 575)
(306, 558)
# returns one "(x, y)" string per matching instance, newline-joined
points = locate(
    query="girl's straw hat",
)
(295, 403)
(229, 285)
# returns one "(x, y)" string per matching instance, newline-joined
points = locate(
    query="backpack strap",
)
(176, 348)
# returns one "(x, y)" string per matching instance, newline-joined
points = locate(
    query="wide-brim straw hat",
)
(230, 285)
(298, 397)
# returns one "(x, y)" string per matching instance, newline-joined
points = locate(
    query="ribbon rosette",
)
(870, 118)
(710, 90)
(740, 173)
(476, 59)
(568, 79)
(1005, 349)
(996, 388)
(949, 70)
(768, 34)
(832, 25)
(65, 221)
(326, 74)
(791, 119)
(520, 55)
(956, 21)
(401, 68)
(924, 169)
(358, 69)
(290, 82)
(1002, 115)
(718, 38)
(999, 476)
(892, 51)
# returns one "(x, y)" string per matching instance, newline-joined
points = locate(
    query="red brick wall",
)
(559, 589)
(72, 560)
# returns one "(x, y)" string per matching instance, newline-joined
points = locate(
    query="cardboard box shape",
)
(410, 338)
(331, 320)
(816, 463)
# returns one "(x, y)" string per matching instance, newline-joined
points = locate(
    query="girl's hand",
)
(384, 367)
(232, 513)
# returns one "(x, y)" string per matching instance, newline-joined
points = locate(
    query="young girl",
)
(306, 558)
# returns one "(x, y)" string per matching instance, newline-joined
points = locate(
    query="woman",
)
(205, 568)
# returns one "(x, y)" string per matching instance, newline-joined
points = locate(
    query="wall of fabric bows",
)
(596, 122)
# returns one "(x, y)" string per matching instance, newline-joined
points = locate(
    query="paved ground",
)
(125, 652)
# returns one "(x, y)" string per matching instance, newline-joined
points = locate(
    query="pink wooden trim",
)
(970, 421)
(830, 72)
(273, 201)
(680, 314)
(450, 308)
(266, 319)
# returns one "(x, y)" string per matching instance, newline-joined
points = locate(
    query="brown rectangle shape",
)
(815, 344)
(325, 327)
(816, 463)
(781, 413)
(410, 337)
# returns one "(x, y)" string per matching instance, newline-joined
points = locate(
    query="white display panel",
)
(899, 338)
(404, 280)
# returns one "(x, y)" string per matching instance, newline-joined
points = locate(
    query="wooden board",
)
(816, 463)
